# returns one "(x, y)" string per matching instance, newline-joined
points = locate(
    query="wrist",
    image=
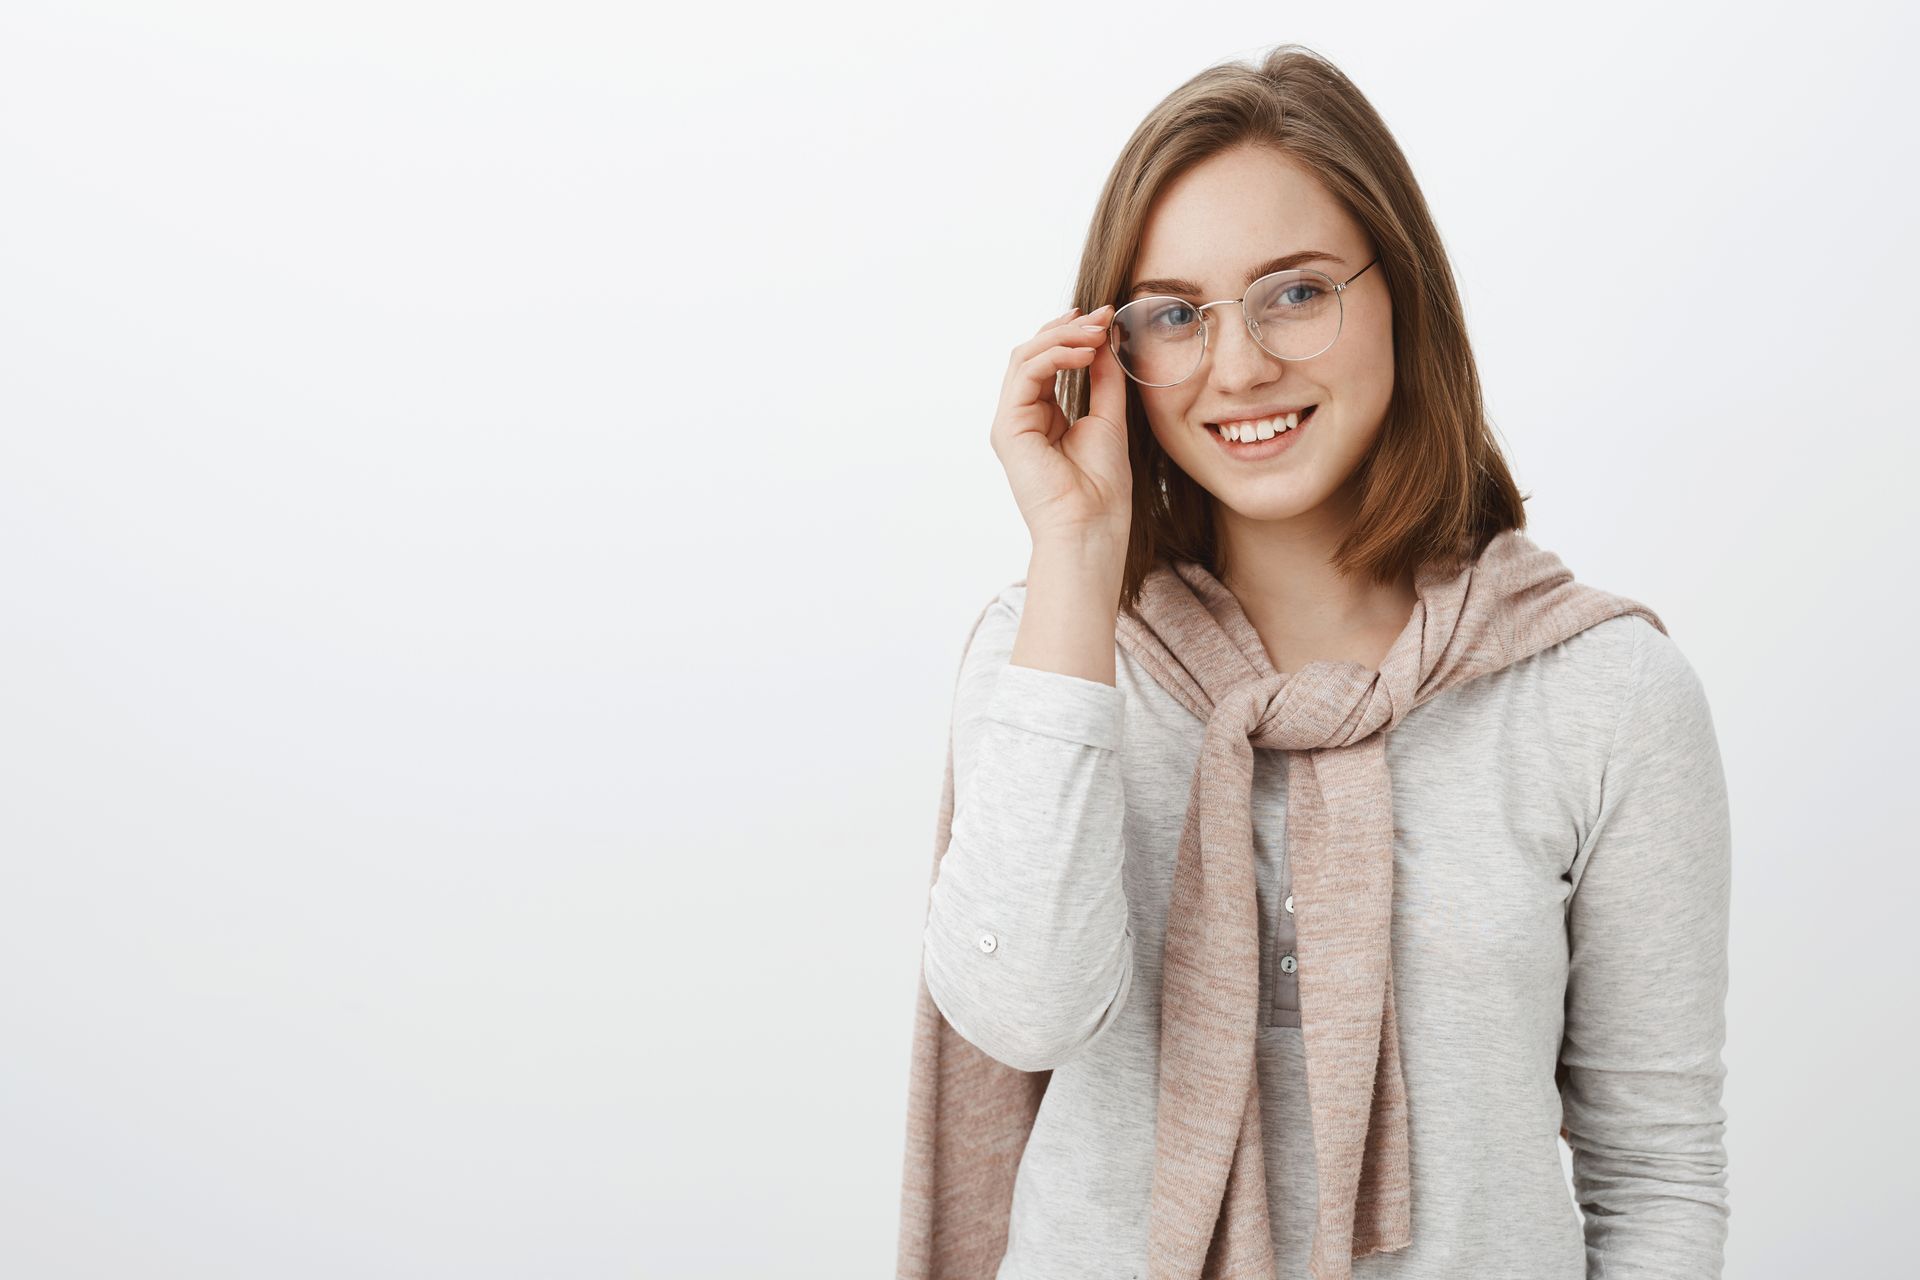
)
(1091, 550)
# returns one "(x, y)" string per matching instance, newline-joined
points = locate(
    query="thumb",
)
(1108, 397)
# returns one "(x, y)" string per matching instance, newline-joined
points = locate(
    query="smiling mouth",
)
(1264, 428)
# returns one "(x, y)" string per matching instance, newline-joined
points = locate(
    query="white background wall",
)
(474, 662)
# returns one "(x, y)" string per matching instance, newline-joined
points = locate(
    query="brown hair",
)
(1435, 485)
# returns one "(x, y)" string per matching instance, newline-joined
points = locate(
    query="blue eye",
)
(1175, 315)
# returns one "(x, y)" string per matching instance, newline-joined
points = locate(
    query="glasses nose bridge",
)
(1206, 317)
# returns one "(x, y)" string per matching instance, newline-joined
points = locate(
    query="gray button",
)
(1289, 904)
(988, 942)
(1287, 963)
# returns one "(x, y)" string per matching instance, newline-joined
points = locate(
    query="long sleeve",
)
(1028, 950)
(1646, 991)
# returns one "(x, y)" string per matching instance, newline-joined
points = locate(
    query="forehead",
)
(1235, 210)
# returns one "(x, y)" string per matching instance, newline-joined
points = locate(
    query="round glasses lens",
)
(1294, 314)
(1157, 340)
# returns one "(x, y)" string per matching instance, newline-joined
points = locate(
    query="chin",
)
(1280, 499)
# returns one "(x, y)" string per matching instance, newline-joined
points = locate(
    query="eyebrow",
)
(1187, 288)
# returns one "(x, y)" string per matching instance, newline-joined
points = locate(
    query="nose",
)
(1238, 361)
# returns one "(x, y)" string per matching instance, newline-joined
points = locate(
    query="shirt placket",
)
(1283, 1009)
(1282, 965)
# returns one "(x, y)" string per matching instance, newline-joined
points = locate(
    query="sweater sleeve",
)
(1028, 949)
(1645, 1023)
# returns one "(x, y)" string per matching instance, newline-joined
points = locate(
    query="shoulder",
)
(1639, 689)
(1603, 694)
(1588, 674)
(1619, 659)
(1664, 704)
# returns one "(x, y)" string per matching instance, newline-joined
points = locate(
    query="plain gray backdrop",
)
(491, 500)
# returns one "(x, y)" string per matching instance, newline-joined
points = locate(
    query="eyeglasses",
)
(1293, 315)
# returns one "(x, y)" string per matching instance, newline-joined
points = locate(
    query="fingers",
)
(1064, 329)
(1032, 381)
(1062, 318)
(1068, 341)
(1108, 396)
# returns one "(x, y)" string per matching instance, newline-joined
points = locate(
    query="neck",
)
(1305, 609)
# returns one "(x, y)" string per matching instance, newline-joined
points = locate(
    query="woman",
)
(1193, 1007)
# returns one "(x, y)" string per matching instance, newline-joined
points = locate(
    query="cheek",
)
(1365, 378)
(1377, 346)
(1168, 422)
(1161, 409)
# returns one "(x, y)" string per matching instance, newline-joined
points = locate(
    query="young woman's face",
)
(1215, 227)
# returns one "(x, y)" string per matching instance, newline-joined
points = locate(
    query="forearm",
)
(1073, 596)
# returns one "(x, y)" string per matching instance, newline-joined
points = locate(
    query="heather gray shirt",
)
(1562, 862)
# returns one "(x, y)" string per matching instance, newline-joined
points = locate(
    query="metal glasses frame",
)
(1253, 331)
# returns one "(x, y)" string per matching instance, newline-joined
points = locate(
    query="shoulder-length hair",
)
(1435, 486)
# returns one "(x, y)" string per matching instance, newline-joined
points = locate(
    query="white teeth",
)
(1264, 429)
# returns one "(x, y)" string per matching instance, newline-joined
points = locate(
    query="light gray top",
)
(1562, 864)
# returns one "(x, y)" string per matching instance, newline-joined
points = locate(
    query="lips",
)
(1260, 415)
(1305, 412)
